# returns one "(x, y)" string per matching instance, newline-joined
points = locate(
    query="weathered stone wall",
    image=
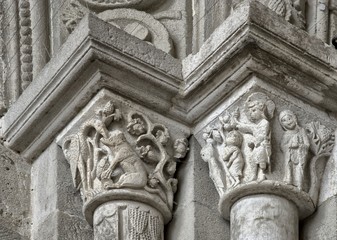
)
(14, 196)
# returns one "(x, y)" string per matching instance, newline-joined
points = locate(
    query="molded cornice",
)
(251, 42)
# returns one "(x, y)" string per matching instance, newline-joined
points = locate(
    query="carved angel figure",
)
(259, 109)
(295, 147)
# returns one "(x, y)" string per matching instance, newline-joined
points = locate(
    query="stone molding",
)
(183, 93)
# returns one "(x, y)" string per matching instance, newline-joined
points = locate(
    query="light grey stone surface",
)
(14, 196)
(264, 217)
(54, 201)
(250, 48)
(322, 224)
(196, 215)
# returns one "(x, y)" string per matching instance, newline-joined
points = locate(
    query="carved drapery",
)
(125, 161)
(251, 152)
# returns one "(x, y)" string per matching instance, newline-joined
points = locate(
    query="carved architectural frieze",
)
(122, 14)
(139, 221)
(291, 10)
(250, 152)
(141, 25)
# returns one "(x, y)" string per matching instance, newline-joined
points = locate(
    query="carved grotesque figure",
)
(295, 147)
(233, 158)
(136, 126)
(180, 148)
(122, 154)
(259, 109)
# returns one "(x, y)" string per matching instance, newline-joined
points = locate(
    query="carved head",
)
(180, 148)
(234, 138)
(259, 106)
(136, 126)
(116, 138)
(288, 120)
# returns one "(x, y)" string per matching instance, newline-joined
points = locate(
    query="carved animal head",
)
(115, 139)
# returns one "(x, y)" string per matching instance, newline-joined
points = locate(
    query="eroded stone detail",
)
(295, 147)
(25, 44)
(101, 5)
(142, 225)
(137, 23)
(322, 142)
(259, 109)
(301, 147)
(103, 158)
(241, 153)
(116, 157)
(128, 220)
(224, 147)
(291, 10)
(141, 25)
(72, 15)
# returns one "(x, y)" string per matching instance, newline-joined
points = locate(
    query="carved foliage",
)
(291, 10)
(232, 162)
(106, 226)
(142, 225)
(124, 221)
(111, 151)
(72, 15)
(238, 148)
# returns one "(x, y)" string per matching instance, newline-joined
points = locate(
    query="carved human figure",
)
(259, 108)
(232, 156)
(120, 153)
(295, 147)
(208, 155)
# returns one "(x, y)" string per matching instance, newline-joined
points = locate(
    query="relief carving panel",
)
(126, 15)
(102, 158)
(120, 157)
(248, 151)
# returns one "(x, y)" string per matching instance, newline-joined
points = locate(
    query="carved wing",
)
(71, 148)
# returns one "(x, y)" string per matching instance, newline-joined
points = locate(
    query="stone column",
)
(142, 221)
(322, 20)
(40, 34)
(267, 171)
(264, 216)
(123, 163)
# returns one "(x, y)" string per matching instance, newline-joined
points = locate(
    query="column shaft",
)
(262, 217)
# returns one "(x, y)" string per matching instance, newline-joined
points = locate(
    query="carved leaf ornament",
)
(238, 148)
(112, 151)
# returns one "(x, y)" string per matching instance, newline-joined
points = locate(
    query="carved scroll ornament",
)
(111, 151)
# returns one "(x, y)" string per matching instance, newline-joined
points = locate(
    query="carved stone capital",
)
(119, 151)
(292, 11)
(264, 144)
